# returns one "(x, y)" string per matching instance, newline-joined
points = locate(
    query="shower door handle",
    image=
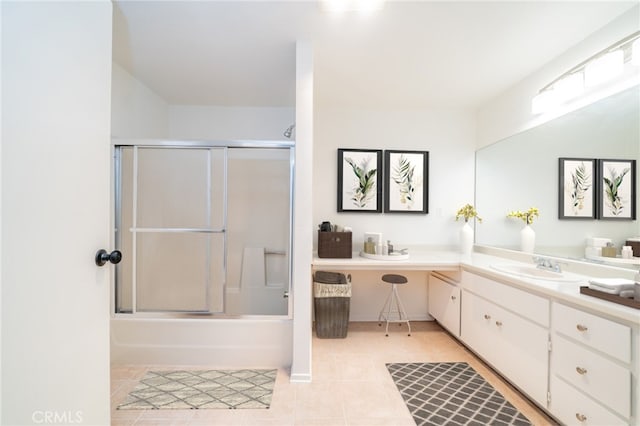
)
(103, 256)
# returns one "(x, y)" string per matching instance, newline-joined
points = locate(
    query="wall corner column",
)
(302, 216)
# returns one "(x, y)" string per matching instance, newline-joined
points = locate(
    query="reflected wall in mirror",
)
(522, 171)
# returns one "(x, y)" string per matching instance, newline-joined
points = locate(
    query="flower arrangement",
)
(526, 216)
(468, 211)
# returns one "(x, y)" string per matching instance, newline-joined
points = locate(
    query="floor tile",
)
(351, 385)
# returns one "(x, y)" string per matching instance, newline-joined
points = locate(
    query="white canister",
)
(626, 252)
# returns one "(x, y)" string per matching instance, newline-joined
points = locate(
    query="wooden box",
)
(334, 245)
(635, 246)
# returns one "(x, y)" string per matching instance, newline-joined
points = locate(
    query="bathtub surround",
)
(202, 389)
(452, 393)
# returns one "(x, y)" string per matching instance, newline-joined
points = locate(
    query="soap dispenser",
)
(609, 250)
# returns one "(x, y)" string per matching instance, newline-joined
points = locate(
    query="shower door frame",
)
(195, 144)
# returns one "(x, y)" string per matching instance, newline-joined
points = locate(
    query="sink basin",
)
(531, 271)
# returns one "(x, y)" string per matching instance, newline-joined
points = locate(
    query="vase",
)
(527, 239)
(466, 238)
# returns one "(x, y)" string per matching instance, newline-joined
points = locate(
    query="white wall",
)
(302, 209)
(136, 110)
(510, 112)
(212, 122)
(448, 135)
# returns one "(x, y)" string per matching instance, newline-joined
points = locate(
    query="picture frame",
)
(360, 180)
(616, 189)
(406, 185)
(578, 178)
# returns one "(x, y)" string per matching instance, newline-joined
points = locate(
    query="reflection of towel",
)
(627, 293)
(253, 273)
(611, 285)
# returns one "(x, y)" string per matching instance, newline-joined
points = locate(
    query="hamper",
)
(332, 298)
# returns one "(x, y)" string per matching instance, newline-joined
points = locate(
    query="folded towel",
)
(627, 293)
(604, 289)
(611, 290)
(613, 283)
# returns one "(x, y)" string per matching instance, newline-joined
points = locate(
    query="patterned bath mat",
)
(452, 393)
(202, 389)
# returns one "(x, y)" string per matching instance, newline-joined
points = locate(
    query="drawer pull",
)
(581, 417)
(581, 371)
(499, 323)
(487, 316)
(581, 327)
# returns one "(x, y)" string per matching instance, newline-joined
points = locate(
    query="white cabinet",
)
(591, 377)
(502, 325)
(444, 303)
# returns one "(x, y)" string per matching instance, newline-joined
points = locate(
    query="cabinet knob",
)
(581, 417)
(499, 323)
(453, 298)
(581, 371)
(487, 316)
(582, 327)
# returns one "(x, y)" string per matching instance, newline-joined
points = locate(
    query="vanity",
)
(577, 357)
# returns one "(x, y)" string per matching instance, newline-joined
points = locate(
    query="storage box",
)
(635, 246)
(334, 244)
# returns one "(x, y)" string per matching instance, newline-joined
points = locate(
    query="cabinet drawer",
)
(530, 306)
(599, 333)
(573, 408)
(593, 374)
(513, 345)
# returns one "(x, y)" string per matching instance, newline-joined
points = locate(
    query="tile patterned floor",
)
(351, 385)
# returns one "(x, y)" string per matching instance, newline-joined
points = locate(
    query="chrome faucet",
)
(547, 264)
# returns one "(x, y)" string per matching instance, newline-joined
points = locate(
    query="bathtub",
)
(260, 342)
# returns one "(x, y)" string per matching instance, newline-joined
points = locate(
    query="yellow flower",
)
(468, 212)
(526, 216)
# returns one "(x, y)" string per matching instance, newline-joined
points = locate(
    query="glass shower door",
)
(171, 229)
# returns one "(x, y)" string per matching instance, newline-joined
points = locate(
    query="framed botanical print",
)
(360, 180)
(576, 191)
(617, 189)
(406, 182)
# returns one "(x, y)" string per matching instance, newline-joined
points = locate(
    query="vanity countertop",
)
(483, 264)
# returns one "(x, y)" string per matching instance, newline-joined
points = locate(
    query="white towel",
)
(611, 290)
(253, 272)
(627, 293)
(612, 283)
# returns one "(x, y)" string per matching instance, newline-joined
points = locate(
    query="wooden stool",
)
(393, 299)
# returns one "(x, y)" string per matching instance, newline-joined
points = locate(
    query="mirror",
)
(522, 171)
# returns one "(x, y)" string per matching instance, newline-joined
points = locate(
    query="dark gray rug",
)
(201, 389)
(452, 393)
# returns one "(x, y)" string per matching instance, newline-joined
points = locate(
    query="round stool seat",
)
(394, 279)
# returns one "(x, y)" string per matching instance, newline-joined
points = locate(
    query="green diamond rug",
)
(202, 389)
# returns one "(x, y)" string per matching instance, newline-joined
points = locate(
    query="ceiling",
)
(410, 54)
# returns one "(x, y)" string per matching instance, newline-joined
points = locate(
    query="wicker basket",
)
(331, 305)
(334, 244)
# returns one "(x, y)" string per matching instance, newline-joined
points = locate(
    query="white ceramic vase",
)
(466, 238)
(527, 239)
